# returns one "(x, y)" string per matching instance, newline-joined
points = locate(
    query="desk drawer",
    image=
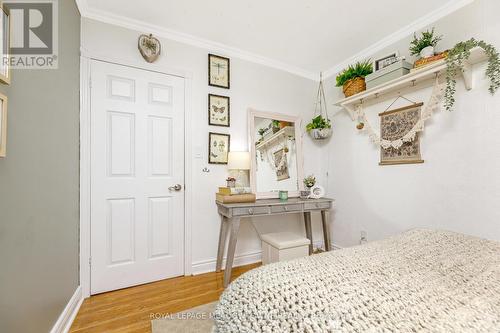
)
(251, 211)
(316, 205)
(286, 208)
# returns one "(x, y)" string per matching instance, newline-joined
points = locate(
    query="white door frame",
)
(85, 84)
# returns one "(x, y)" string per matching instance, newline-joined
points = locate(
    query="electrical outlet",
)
(364, 238)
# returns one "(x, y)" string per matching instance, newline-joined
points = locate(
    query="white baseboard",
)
(336, 247)
(63, 323)
(207, 266)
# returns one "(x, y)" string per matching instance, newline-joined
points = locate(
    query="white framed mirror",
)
(276, 154)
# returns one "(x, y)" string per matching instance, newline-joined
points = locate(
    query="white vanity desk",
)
(231, 215)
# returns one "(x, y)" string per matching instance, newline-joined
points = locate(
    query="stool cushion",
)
(284, 240)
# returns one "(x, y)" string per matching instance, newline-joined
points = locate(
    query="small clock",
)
(218, 71)
(317, 192)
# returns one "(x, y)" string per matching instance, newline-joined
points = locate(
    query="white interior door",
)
(137, 153)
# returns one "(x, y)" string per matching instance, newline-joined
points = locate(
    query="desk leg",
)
(307, 221)
(235, 226)
(326, 231)
(222, 242)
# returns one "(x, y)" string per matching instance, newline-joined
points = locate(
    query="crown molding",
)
(82, 6)
(125, 22)
(422, 22)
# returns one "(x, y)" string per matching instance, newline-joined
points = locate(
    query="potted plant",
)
(310, 181)
(283, 124)
(352, 79)
(319, 128)
(275, 126)
(424, 46)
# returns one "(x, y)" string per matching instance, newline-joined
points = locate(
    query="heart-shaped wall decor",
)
(149, 47)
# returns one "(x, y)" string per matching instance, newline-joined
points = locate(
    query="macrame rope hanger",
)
(402, 97)
(361, 117)
(321, 108)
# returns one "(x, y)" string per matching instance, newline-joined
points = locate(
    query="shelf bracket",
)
(467, 74)
(349, 110)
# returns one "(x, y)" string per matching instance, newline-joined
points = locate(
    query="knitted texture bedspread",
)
(419, 281)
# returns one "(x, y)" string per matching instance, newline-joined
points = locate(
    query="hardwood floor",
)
(129, 310)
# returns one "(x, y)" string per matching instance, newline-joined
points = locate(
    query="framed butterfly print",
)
(218, 71)
(218, 110)
(218, 148)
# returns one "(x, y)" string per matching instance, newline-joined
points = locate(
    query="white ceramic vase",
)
(427, 52)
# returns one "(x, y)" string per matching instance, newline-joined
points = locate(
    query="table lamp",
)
(240, 162)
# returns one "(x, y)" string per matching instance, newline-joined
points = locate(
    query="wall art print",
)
(218, 148)
(4, 45)
(394, 124)
(218, 110)
(3, 125)
(218, 71)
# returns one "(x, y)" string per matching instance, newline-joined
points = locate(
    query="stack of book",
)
(234, 195)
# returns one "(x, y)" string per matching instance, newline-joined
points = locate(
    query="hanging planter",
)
(321, 133)
(320, 127)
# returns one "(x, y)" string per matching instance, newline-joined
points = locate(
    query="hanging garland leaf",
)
(455, 60)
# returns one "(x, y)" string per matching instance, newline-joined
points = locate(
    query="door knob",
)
(176, 187)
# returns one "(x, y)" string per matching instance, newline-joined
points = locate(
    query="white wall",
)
(458, 186)
(252, 85)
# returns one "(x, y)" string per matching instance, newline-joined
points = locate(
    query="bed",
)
(419, 281)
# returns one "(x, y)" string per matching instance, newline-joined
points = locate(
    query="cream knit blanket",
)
(419, 281)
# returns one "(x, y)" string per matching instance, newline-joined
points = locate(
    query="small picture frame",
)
(219, 112)
(218, 148)
(3, 125)
(385, 61)
(4, 46)
(218, 71)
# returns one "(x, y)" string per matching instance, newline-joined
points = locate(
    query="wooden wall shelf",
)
(412, 79)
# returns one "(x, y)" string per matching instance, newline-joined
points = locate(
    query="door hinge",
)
(90, 261)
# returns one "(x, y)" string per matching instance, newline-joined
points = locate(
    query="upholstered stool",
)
(281, 246)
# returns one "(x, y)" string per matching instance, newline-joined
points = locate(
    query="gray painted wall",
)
(39, 182)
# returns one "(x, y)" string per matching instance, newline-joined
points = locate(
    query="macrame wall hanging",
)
(408, 135)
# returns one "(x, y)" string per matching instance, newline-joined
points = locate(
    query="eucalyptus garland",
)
(455, 60)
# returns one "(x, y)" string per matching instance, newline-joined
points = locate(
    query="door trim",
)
(85, 155)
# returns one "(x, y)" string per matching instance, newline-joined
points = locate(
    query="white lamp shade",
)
(238, 160)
